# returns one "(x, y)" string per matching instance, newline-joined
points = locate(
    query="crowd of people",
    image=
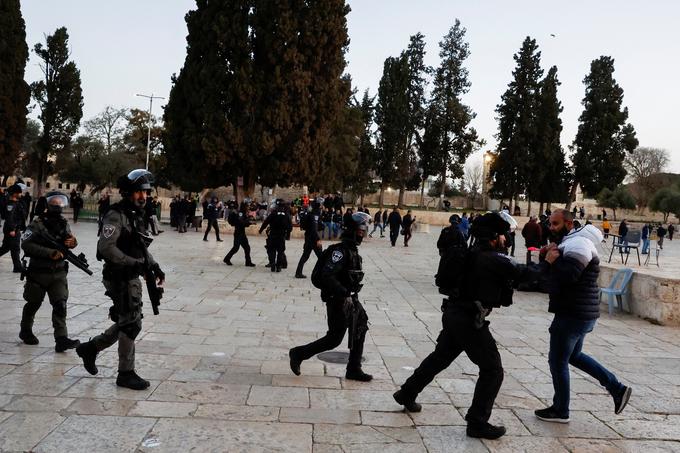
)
(476, 274)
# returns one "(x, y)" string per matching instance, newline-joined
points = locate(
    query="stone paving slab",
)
(220, 379)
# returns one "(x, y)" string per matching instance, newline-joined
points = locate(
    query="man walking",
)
(573, 267)
(407, 225)
(310, 224)
(211, 213)
(394, 220)
(15, 221)
(239, 220)
(660, 234)
(645, 239)
(280, 225)
(377, 223)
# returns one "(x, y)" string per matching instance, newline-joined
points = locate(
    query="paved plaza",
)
(218, 364)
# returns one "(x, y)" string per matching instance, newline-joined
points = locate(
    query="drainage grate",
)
(336, 357)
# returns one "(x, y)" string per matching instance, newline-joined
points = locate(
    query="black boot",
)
(88, 352)
(250, 264)
(26, 335)
(484, 431)
(294, 362)
(358, 375)
(227, 261)
(61, 344)
(300, 275)
(407, 401)
(131, 380)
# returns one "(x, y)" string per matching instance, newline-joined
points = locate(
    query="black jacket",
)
(394, 220)
(341, 273)
(492, 277)
(573, 288)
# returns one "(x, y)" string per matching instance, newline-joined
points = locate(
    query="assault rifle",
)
(79, 261)
(155, 291)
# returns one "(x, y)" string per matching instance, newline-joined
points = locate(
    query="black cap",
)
(489, 226)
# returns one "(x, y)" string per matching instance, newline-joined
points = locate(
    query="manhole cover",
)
(336, 357)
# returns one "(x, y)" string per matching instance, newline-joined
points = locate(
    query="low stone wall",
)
(653, 298)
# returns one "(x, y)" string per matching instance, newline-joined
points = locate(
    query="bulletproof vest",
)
(128, 242)
(485, 281)
(278, 224)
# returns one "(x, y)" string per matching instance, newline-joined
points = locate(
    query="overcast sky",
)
(126, 47)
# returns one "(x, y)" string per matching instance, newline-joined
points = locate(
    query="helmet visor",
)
(59, 200)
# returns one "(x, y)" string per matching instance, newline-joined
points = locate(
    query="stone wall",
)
(653, 298)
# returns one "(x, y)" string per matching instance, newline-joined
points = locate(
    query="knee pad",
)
(59, 308)
(132, 330)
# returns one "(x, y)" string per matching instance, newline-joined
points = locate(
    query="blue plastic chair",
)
(617, 288)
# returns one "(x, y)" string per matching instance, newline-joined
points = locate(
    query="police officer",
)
(47, 271)
(15, 222)
(451, 236)
(279, 228)
(488, 284)
(310, 223)
(122, 245)
(338, 274)
(239, 220)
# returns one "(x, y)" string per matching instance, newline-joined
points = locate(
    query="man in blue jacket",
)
(573, 266)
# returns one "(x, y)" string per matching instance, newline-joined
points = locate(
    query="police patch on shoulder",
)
(108, 231)
(336, 256)
(27, 234)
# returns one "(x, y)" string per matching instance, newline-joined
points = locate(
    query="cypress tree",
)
(14, 91)
(603, 136)
(511, 170)
(457, 139)
(60, 100)
(549, 170)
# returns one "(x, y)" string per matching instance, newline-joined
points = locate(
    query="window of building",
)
(47, 185)
(68, 186)
(61, 186)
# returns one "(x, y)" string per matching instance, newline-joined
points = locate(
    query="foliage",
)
(511, 171)
(604, 136)
(14, 92)
(666, 201)
(619, 198)
(60, 100)
(643, 165)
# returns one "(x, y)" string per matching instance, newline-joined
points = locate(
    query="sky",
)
(127, 47)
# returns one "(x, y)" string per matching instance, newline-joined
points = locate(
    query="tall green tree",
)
(511, 171)
(108, 126)
(604, 136)
(60, 99)
(260, 91)
(14, 91)
(457, 138)
(550, 180)
(392, 121)
(362, 180)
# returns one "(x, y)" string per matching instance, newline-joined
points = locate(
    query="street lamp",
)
(150, 97)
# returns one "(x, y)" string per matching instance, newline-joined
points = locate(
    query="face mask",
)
(140, 203)
(54, 211)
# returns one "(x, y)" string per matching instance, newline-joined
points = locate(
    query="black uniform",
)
(210, 215)
(464, 329)
(280, 227)
(394, 220)
(341, 277)
(311, 225)
(240, 221)
(15, 222)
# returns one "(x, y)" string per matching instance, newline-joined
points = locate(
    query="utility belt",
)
(119, 273)
(474, 309)
(61, 265)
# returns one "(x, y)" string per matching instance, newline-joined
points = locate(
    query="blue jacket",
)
(645, 232)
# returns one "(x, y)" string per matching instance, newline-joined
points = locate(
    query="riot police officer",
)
(487, 284)
(15, 222)
(338, 274)
(280, 227)
(239, 220)
(122, 245)
(47, 271)
(310, 223)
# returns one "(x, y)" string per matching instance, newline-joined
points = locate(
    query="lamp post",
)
(150, 97)
(488, 158)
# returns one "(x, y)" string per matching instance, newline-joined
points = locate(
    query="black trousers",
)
(337, 326)
(76, 214)
(307, 250)
(12, 245)
(459, 334)
(212, 224)
(394, 235)
(240, 240)
(275, 251)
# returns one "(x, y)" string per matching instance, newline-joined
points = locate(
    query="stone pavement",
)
(217, 360)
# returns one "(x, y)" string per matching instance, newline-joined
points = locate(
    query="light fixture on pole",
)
(150, 97)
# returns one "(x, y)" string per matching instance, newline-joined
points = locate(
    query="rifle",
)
(24, 269)
(155, 291)
(358, 321)
(79, 261)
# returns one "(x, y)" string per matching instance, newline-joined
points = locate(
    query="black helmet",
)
(360, 221)
(15, 188)
(56, 198)
(135, 181)
(454, 219)
(489, 226)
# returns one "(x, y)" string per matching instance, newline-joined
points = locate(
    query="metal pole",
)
(148, 136)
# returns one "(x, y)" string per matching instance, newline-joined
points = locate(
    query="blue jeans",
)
(326, 226)
(645, 246)
(566, 341)
(376, 226)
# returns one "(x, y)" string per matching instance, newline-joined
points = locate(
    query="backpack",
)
(233, 218)
(303, 219)
(452, 268)
(318, 267)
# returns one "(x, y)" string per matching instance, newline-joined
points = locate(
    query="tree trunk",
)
(510, 206)
(572, 197)
(400, 202)
(381, 200)
(361, 199)
(528, 207)
(540, 209)
(422, 193)
(442, 189)
(614, 210)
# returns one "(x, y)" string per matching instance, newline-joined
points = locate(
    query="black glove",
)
(160, 275)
